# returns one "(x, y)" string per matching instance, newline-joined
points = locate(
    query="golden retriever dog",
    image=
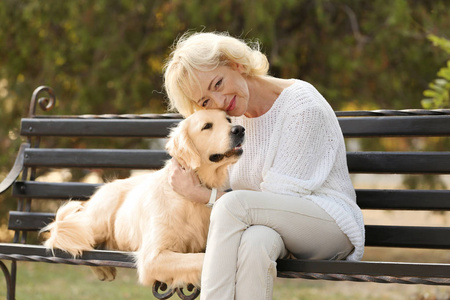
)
(143, 214)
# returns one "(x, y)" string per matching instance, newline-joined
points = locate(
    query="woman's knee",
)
(259, 242)
(232, 199)
(230, 204)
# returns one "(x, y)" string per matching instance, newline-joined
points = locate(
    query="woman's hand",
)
(186, 183)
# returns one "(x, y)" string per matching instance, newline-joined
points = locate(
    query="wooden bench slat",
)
(403, 199)
(351, 126)
(151, 128)
(367, 198)
(395, 126)
(399, 162)
(408, 236)
(54, 190)
(380, 236)
(95, 158)
(29, 221)
(358, 162)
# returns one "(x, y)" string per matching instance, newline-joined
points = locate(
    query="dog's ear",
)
(181, 147)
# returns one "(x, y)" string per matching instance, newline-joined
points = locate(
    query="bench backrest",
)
(41, 155)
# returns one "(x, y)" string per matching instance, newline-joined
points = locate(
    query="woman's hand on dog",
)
(186, 183)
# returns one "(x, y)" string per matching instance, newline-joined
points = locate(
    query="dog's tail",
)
(70, 231)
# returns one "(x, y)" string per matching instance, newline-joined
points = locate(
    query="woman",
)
(291, 190)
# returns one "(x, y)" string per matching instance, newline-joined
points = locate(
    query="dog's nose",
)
(237, 130)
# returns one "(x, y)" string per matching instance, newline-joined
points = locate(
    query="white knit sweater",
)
(297, 148)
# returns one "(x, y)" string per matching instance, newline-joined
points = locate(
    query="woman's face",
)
(223, 88)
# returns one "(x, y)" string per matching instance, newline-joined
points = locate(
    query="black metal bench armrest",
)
(15, 171)
(366, 271)
(37, 253)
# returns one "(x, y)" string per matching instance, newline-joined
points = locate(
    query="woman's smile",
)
(232, 104)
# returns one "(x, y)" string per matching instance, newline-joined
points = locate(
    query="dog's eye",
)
(229, 120)
(207, 126)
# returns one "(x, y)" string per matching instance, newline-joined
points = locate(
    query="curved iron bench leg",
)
(160, 290)
(193, 292)
(10, 280)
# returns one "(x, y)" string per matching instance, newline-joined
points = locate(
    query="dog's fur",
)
(143, 214)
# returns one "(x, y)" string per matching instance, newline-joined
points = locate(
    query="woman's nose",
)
(219, 99)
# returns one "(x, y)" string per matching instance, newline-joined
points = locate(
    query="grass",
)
(44, 281)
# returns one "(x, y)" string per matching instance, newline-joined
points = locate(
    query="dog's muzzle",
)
(237, 138)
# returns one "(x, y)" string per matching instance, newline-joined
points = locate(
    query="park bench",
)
(37, 154)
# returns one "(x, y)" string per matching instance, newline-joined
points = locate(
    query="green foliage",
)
(439, 90)
(440, 42)
(106, 56)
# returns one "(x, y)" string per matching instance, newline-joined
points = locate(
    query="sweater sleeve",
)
(305, 153)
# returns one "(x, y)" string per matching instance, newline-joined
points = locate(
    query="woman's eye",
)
(218, 83)
(205, 103)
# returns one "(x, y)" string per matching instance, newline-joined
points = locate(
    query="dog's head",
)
(206, 138)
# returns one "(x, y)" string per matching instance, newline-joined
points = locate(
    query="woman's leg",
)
(306, 230)
(259, 249)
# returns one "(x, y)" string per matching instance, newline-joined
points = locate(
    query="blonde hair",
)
(205, 51)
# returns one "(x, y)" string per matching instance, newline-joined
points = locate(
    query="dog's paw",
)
(184, 280)
(105, 273)
(196, 279)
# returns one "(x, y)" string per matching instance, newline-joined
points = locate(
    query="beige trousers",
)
(250, 230)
